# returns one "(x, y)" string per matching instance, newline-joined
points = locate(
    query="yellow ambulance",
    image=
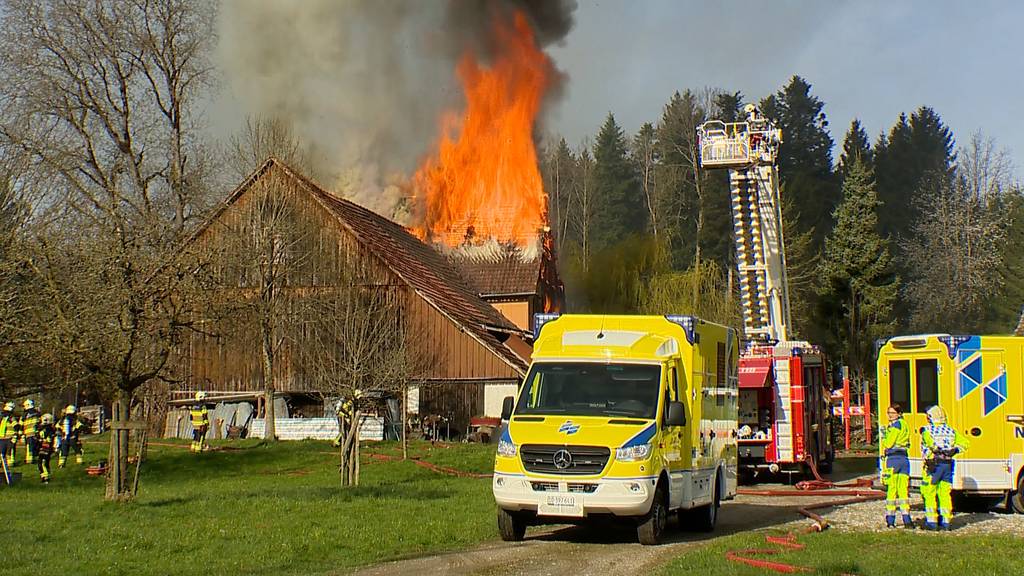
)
(978, 381)
(625, 417)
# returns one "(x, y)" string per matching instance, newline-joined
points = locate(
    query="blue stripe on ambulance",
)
(642, 437)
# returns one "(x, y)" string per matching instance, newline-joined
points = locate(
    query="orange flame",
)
(485, 183)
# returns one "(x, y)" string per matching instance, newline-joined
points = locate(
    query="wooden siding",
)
(228, 357)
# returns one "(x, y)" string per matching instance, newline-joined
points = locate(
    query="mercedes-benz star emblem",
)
(562, 459)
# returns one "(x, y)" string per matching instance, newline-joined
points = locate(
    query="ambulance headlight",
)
(506, 449)
(633, 453)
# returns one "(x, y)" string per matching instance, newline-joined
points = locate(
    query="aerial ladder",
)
(784, 394)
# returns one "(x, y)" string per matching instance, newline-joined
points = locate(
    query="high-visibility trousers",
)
(43, 462)
(31, 449)
(198, 439)
(897, 495)
(66, 447)
(937, 491)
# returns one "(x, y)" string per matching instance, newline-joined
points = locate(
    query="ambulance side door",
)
(673, 439)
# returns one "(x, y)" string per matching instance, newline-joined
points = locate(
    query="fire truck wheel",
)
(1017, 497)
(651, 528)
(511, 526)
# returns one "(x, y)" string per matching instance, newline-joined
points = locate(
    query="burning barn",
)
(476, 355)
(471, 271)
(518, 283)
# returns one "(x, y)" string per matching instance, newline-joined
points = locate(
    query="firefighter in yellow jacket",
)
(8, 433)
(47, 435)
(896, 446)
(345, 410)
(29, 422)
(69, 431)
(200, 416)
(939, 445)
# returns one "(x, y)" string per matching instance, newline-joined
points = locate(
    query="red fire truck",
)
(784, 412)
(785, 404)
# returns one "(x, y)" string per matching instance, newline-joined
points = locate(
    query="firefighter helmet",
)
(47, 419)
(9, 407)
(200, 396)
(28, 404)
(70, 409)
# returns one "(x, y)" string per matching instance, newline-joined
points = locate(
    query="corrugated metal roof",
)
(428, 273)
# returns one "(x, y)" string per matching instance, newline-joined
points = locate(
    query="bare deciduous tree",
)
(261, 138)
(263, 249)
(359, 346)
(955, 253)
(102, 97)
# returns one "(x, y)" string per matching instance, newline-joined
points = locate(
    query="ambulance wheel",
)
(652, 527)
(1017, 497)
(511, 526)
(705, 517)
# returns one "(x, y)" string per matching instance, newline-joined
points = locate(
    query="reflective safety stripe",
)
(29, 422)
(7, 427)
(200, 417)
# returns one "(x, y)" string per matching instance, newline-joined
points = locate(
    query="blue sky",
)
(866, 59)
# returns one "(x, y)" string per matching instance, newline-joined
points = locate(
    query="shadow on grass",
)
(164, 502)
(336, 493)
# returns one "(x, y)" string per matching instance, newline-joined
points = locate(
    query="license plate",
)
(561, 505)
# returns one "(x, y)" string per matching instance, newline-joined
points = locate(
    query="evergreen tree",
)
(728, 106)
(644, 155)
(618, 200)
(1003, 311)
(915, 148)
(805, 157)
(679, 176)
(801, 271)
(558, 167)
(855, 146)
(858, 283)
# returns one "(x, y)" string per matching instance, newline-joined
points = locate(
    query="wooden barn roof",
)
(504, 274)
(429, 274)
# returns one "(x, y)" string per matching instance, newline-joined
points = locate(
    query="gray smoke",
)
(363, 83)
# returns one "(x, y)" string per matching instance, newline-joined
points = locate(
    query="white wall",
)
(494, 395)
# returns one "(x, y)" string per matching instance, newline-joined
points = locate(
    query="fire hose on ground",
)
(858, 490)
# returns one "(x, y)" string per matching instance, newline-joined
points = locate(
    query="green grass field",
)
(867, 554)
(250, 509)
(257, 509)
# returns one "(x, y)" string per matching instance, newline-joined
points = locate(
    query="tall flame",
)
(484, 183)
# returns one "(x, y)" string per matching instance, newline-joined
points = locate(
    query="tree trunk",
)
(355, 449)
(270, 429)
(117, 477)
(405, 418)
(700, 229)
(350, 438)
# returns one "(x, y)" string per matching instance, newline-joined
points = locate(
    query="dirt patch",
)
(613, 549)
(599, 549)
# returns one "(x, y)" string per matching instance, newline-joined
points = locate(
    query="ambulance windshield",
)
(589, 389)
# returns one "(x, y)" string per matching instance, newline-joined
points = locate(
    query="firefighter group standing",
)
(939, 445)
(41, 436)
